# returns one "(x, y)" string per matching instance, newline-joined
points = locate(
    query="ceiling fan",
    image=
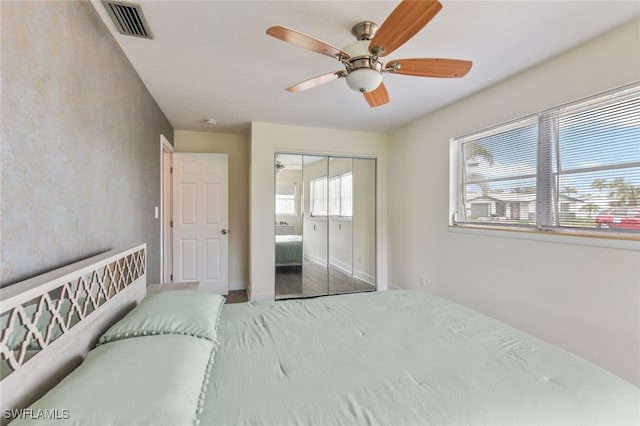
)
(363, 59)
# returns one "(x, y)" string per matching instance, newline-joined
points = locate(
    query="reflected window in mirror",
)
(334, 198)
(286, 199)
(341, 195)
(319, 196)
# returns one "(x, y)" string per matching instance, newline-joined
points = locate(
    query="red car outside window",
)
(619, 218)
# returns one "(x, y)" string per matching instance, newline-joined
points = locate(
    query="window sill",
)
(561, 236)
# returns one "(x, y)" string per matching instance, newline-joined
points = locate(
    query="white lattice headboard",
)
(51, 321)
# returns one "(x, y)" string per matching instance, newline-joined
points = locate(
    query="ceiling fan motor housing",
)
(364, 30)
(365, 70)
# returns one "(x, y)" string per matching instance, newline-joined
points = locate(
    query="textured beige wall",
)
(237, 146)
(80, 142)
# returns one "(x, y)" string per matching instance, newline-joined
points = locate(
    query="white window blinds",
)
(286, 199)
(499, 174)
(340, 188)
(577, 166)
(334, 197)
(319, 196)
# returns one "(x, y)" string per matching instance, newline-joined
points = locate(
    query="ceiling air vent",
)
(128, 18)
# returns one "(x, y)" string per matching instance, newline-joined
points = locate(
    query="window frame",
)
(542, 228)
(293, 198)
(327, 196)
(313, 199)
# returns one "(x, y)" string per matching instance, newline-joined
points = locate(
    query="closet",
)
(325, 225)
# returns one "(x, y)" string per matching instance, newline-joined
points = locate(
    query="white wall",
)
(237, 146)
(266, 140)
(582, 298)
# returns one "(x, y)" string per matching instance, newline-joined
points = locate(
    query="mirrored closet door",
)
(325, 225)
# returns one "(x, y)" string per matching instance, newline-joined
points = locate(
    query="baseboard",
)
(344, 267)
(316, 259)
(369, 279)
(237, 285)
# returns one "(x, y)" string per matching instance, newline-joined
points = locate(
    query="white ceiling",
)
(212, 59)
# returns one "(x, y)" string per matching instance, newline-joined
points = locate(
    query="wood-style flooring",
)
(290, 279)
(236, 296)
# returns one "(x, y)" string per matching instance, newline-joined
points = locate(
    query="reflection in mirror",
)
(288, 225)
(340, 225)
(325, 225)
(315, 277)
(364, 224)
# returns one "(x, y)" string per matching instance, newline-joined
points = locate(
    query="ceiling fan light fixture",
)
(364, 80)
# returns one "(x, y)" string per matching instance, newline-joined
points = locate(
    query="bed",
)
(380, 358)
(289, 250)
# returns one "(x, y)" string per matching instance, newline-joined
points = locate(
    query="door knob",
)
(223, 232)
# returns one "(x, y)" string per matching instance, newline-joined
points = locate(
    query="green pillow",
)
(187, 312)
(152, 380)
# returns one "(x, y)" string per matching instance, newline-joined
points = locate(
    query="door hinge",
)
(171, 170)
(170, 224)
(171, 277)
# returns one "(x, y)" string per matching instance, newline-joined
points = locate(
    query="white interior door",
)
(200, 220)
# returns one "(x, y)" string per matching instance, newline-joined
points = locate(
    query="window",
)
(286, 199)
(334, 198)
(340, 188)
(573, 167)
(319, 196)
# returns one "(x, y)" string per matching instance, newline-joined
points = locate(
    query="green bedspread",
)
(399, 358)
(388, 358)
(288, 250)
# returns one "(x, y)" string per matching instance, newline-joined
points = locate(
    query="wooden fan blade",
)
(431, 67)
(404, 22)
(377, 97)
(315, 81)
(305, 41)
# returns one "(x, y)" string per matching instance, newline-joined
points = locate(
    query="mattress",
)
(288, 250)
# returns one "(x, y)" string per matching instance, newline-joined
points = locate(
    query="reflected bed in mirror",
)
(288, 250)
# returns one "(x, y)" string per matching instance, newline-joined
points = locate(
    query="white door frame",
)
(166, 205)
